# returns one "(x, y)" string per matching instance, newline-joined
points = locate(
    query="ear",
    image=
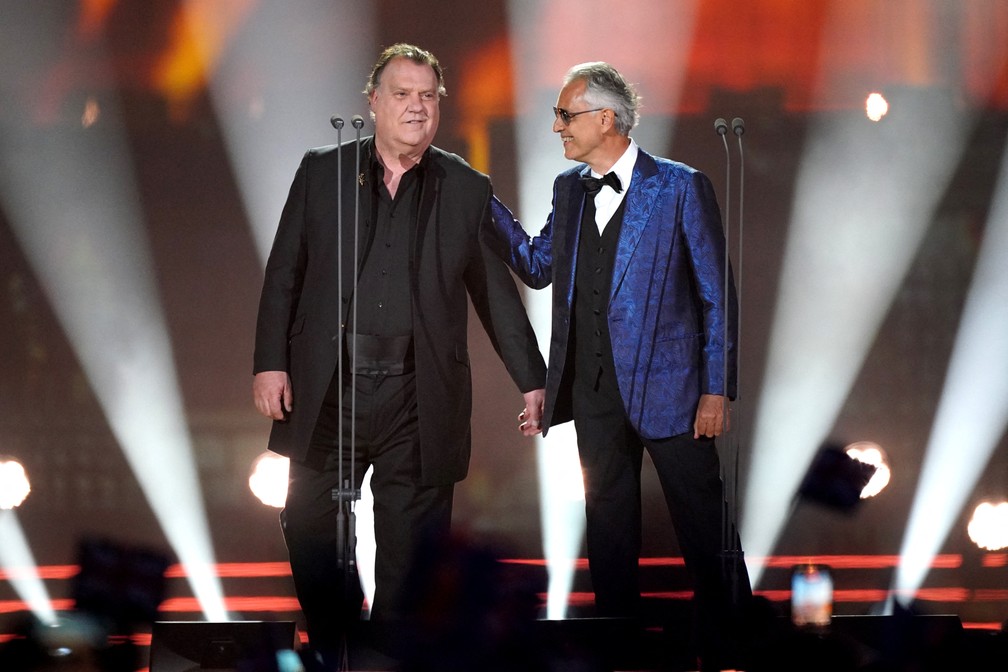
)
(608, 120)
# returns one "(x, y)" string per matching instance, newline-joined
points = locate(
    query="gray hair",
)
(605, 87)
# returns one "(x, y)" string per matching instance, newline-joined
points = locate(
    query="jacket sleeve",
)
(283, 280)
(502, 313)
(531, 259)
(715, 285)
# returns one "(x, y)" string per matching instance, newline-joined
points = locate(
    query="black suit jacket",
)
(301, 312)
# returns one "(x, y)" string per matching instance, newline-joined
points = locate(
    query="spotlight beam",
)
(853, 235)
(273, 104)
(18, 562)
(972, 413)
(73, 205)
(84, 240)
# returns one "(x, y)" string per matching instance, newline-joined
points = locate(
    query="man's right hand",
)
(531, 415)
(271, 392)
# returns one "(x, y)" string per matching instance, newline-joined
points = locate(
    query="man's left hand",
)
(710, 420)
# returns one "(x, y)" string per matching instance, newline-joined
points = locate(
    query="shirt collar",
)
(624, 165)
(378, 170)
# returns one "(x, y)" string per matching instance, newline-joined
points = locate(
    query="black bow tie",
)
(594, 184)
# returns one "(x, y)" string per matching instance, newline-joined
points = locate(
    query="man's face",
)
(583, 135)
(405, 107)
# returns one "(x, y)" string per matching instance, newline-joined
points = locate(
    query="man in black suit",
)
(423, 216)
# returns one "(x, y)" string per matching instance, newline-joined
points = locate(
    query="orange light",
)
(199, 34)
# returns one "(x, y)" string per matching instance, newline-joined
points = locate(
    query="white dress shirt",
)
(607, 200)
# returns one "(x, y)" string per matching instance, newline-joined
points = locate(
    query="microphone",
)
(737, 125)
(336, 121)
(358, 121)
(721, 126)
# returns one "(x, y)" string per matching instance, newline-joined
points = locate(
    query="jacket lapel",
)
(641, 198)
(352, 231)
(571, 197)
(431, 176)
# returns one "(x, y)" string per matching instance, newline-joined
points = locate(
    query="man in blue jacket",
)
(642, 352)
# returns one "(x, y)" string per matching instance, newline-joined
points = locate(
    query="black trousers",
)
(407, 515)
(611, 454)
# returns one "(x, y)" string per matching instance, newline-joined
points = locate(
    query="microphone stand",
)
(357, 122)
(732, 556)
(346, 494)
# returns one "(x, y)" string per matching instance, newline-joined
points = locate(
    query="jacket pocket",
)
(675, 333)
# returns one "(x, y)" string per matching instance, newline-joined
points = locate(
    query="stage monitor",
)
(201, 646)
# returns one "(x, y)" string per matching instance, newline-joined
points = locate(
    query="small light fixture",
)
(268, 480)
(876, 106)
(871, 453)
(14, 485)
(988, 527)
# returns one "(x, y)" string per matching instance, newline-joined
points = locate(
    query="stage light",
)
(268, 480)
(876, 106)
(988, 527)
(14, 485)
(91, 113)
(835, 479)
(871, 453)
